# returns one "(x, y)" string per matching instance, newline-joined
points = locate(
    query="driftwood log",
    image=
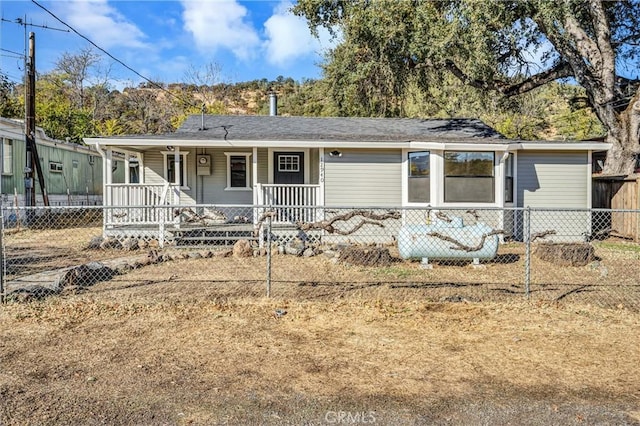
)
(368, 218)
(264, 216)
(457, 245)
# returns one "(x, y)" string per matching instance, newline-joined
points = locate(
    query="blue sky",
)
(163, 40)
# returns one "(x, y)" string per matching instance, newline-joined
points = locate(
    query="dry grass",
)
(194, 341)
(180, 351)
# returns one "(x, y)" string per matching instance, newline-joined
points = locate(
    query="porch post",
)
(140, 167)
(109, 177)
(254, 167)
(320, 199)
(109, 166)
(127, 170)
(319, 213)
(176, 166)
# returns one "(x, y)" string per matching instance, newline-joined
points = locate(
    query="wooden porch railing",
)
(141, 204)
(292, 203)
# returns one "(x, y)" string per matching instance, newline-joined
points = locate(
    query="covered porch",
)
(160, 181)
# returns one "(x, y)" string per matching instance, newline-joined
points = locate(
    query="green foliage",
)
(10, 105)
(548, 112)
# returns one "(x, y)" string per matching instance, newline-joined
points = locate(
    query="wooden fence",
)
(619, 193)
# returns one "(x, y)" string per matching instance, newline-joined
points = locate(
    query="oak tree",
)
(508, 47)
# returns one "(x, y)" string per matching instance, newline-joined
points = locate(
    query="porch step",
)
(211, 237)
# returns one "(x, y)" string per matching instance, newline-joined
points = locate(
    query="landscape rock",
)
(95, 243)
(130, 244)
(30, 293)
(85, 275)
(110, 243)
(242, 248)
(223, 253)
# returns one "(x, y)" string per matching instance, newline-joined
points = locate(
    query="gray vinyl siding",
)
(314, 161)
(364, 178)
(554, 180)
(263, 165)
(154, 168)
(215, 184)
(202, 189)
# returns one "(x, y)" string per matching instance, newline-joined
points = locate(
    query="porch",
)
(141, 210)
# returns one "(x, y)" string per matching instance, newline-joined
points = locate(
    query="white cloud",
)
(288, 37)
(220, 24)
(101, 23)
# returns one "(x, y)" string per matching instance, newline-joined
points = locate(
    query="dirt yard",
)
(158, 346)
(195, 341)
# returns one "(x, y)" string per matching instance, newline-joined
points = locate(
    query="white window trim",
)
(247, 155)
(292, 170)
(58, 167)
(5, 142)
(405, 178)
(183, 167)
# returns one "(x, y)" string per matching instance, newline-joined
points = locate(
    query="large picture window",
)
(238, 176)
(419, 182)
(468, 177)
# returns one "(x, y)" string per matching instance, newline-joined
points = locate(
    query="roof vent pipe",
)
(273, 104)
(203, 109)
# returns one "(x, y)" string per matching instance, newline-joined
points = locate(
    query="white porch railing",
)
(292, 203)
(141, 204)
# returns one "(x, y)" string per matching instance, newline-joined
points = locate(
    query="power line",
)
(20, 21)
(13, 78)
(19, 55)
(148, 80)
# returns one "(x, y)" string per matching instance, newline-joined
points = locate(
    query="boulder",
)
(242, 248)
(130, 244)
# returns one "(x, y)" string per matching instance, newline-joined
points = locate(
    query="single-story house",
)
(310, 162)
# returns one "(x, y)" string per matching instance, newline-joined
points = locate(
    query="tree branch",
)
(560, 70)
(457, 245)
(328, 225)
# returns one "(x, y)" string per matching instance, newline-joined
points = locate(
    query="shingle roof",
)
(245, 127)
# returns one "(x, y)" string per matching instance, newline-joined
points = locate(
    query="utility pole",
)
(30, 123)
(32, 159)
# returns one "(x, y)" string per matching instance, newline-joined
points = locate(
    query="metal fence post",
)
(269, 255)
(161, 227)
(2, 265)
(527, 260)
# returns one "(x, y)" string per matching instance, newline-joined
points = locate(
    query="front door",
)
(288, 168)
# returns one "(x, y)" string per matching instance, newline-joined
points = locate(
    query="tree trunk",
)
(623, 133)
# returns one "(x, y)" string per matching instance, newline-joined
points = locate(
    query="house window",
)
(289, 163)
(7, 156)
(419, 182)
(170, 168)
(238, 170)
(55, 167)
(468, 177)
(508, 179)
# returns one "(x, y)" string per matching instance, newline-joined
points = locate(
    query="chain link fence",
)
(191, 252)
